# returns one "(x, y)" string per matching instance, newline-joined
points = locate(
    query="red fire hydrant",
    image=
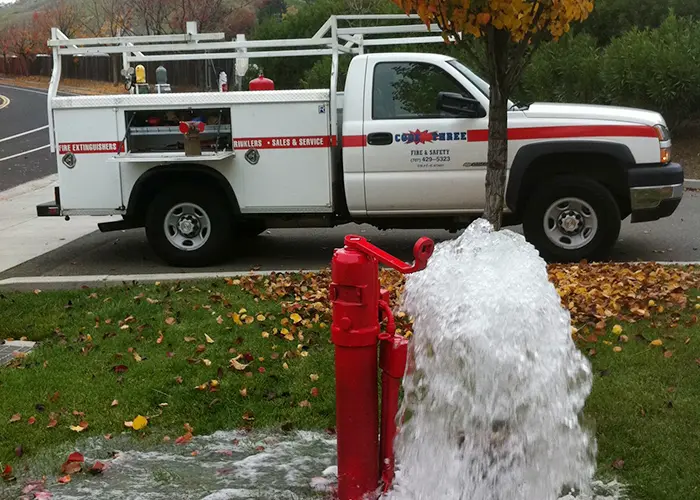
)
(358, 306)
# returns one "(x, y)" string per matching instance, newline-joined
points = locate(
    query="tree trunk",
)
(498, 127)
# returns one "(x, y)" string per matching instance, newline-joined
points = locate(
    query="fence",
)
(107, 68)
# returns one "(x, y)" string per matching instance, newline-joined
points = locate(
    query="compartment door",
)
(85, 139)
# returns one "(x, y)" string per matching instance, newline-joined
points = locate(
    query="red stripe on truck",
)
(354, 141)
(567, 132)
(291, 142)
(90, 147)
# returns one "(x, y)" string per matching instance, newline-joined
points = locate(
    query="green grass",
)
(645, 407)
(646, 410)
(87, 383)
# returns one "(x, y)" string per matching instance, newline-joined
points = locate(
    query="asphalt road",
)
(676, 238)
(26, 111)
(127, 252)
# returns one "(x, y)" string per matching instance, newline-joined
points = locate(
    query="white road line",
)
(25, 152)
(33, 91)
(24, 133)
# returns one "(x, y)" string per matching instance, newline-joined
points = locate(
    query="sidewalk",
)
(23, 235)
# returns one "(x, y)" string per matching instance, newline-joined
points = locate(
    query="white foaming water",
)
(493, 408)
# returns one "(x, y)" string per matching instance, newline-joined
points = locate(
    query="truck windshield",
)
(478, 82)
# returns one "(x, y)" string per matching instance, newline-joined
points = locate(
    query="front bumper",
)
(655, 191)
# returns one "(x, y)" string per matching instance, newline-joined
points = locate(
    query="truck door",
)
(418, 159)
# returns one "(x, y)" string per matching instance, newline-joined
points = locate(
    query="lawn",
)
(256, 352)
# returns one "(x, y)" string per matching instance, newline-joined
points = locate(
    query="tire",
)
(200, 210)
(584, 224)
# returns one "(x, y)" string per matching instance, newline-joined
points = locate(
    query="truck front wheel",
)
(571, 218)
(189, 226)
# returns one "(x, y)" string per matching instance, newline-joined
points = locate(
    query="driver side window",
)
(409, 90)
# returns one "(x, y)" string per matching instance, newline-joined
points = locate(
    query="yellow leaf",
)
(234, 363)
(617, 348)
(214, 383)
(129, 424)
(313, 377)
(657, 342)
(77, 428)
(244, 392)
(260, 317)
(208, 339)
(617, 329)
(206, 362)
(243, 310)
(265, 335)
(295, 318)
(237, 319)
(285, 366)
(139, 423)
(115, 403)
(137, 357)
(249, 319)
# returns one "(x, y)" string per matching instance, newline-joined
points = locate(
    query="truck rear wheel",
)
(189, 226)
(571, 218)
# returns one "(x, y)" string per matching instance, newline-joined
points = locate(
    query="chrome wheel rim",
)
(570, 223)
(187, 226)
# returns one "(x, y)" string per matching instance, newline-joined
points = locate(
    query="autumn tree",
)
(507, 33)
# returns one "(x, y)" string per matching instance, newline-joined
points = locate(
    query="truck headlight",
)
(664, 136)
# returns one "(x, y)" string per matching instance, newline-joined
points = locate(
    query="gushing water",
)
(493, 408)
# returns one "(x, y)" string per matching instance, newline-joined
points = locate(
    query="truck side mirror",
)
(458, 105)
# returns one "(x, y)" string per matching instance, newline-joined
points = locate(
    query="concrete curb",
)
(692, 183)
(28, 283)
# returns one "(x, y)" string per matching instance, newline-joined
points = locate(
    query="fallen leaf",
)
(114, 403)
(305, 404)
(160, 338)
(55, 397)
(178, 380)
(243, 392)
(71, 467)
(170, 321)
(618, 464)
(219, 319)
(129, 424)
(617, 329)
(248, 416)
(37, 291)
(52, 423)
(97, 468)
(184, 439)
(260, 317)
(285, 366)
(265, 335)
(295, 318)
(234, 363)
(668, 354)
(237, 319)
(617, 348)
(31, 420)
(313, 377)
(15, 418)
(64, 479)
(139, 423)
(137, 358)
(19, 451)
(107, 436)
(206, 362)
(656, 342)
(120, 368)
(314, 392)
(189, 339)
(77, 428)
(261, 369)
(208, 338)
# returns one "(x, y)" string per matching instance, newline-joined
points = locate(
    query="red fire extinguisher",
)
(358, 304)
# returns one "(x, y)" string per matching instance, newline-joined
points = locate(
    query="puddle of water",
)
(226, 465)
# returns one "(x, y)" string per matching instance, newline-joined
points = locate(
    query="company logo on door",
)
(423, 136)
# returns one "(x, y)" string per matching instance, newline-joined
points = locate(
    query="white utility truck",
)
(404, 146)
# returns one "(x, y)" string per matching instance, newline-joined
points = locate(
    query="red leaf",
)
(31, 420)
(71, 467)
(160, 338)
(314, 392)
(7, 471)
(184, 439)
(120, 368)
(76, 457)
(261, 369)
(97, 468)
(15, 418)
(64, 479)
(52, 423)
(55, 397)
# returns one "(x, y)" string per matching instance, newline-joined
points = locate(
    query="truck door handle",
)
(380, 139)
